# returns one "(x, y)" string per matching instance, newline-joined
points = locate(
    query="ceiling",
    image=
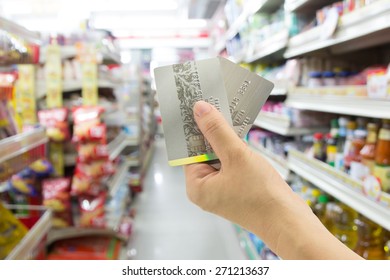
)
(124, 18)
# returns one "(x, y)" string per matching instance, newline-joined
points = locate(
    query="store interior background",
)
(325, 127)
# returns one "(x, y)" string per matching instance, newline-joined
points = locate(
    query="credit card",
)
(179, 86)
(247, 93)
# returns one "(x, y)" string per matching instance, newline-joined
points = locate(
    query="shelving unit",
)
(299, 6)
(120, 175)
(279, 163)
(31, 36)
(26, 247)
(339, 101)
(116, 146)
(360, 29)
(250, 9)
(279, 91)
(342, 187)
(281, 124)
(271, 47)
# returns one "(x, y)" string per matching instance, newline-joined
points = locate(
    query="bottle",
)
(331, 150)
(341, 138)
(343, 227)
(318, 146)
(370, 244)
(319, 209)
(367, 153)
(351, 127)
(357, 170)
(382, 157)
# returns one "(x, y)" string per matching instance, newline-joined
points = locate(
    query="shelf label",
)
(53, 76)
(25, 105)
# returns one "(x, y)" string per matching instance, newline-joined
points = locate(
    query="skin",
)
(248, 191)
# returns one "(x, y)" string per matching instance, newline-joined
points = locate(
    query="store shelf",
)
(350, 103)
(73, 232)
(21, 143)
(298, 6)
(71, 85)
(365, 27)
(277, 162)
(26, 247)
(67, 52)
(16, 29)
(116, 146)
(342, 187)
(250, 9)
(270, 47)
(279, 91)
(120, 175)
(281, 124)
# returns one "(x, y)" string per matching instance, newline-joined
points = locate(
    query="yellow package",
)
(11, 232)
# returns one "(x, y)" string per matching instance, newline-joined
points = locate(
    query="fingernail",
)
(201, 108)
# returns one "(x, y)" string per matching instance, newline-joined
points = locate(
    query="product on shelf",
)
(11, 231)
(370, 244)
(56, 123)
(382, 157)
(367, 153)
(92, 210)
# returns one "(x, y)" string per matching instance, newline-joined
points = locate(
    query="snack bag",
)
(82, 184)
(56, 194)
(95, 169)
(92, 151)
(87, 124)
(23, 183)
(12, 231)
(41, 168)
(92, 211)
(56, 123)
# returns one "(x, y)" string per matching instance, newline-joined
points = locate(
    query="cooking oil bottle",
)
(370, 244)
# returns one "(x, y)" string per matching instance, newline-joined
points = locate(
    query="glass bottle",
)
(367, 153)
(382, 157)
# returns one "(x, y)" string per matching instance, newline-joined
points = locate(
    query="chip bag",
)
(56, 194)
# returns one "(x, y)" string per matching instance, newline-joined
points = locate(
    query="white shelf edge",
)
(279, 91)
(19, 30)
(353, 198)
(283, 170)
(264, 122)
(115, 181)
(39, 133)
(360, 29)
(251, 8)
(341, 105)
(270, 46)
(116, 146)
(33, 237)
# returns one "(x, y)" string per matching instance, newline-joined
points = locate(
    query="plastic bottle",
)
(318, 146)
(341, 138)
(342, 221)
(357, 170)
(367, 153)
(331, 149)
(370, 244)
(351, 127)
(319, 209)
(382, 157)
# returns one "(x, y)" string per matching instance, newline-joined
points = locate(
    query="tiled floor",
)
(168, 226)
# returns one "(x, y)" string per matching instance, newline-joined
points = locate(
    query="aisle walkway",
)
(168, 226)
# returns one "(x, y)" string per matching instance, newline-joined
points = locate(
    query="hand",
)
(248, 191)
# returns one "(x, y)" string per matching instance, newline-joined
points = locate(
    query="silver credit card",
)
(247, 93)
(179, 86)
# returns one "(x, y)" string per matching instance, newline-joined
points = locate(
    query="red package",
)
(90, 131)
(56, 123)
(86, 114)
(82, 184)
(92, 151)
(56, 194)
(92, 211)
(96, 169)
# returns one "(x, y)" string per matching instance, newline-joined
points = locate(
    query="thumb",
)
(217, 130)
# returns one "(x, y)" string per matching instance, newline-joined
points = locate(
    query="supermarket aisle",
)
(169, 226)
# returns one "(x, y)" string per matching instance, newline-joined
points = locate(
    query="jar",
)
(329, 78)
(314, 79)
